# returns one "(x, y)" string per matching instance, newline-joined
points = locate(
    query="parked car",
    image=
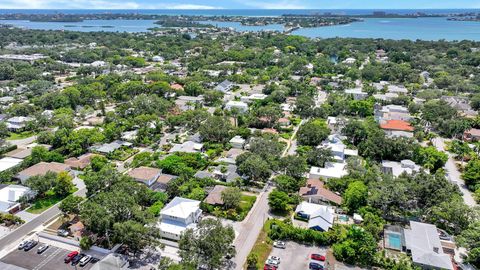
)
(42, 248)
(70, 256)
(279, 244)
(315, 266)
(94, 260)
(22, 244)
(63, 233)
(85, 260)
(77, 258)
(317, 257)
(269, 267)
(272, 262)
(274, 258)
(30, 245)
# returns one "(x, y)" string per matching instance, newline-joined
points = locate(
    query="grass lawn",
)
(21, 135)
(263, 246)
(246, 203)
(46, 202)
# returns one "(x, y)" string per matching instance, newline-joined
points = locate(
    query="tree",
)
(355, 196)
(294, 166)
(470, 239)
(278, 200)
(71, 205)
(63, 185)
(253, 167)
(430, 158)
(287, 183)
(208, 246)
(252, 260)
(453, 216)
(471, 174)
(318, 156)
(358, 247)
(215, 129)
(86, 242)
(313, 133)
(136, 235)
(231, 197)
(42, 184)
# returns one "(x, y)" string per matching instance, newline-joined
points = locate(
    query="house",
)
(357, 93)
(203, 174)
(338, 148)
(145, 175)
(422, 241)
(42, 168)
(80, 162)
(177, 216)
(176, 87)
(471, 135)
(239, 105)
(227, 173)
(320, 217)
(185, 103)
(237, 142)
(391, 112)
(349, 61)
(112, 261)
(18, 123)
(330, 170)
(397, 89)
(20, 153)
(187, 147)
(315, 192)
(253, 97)
(8, 163)
(9, 196)
(129, 136)
(397, 128)
(109, 148)
(386, 96)
(461, 104)
(225, 86)
(158, 58)
(283, 122)
(215, 196)
(162, 182)
(397, 168)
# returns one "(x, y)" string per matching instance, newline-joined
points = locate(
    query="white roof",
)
(234, 103)
(10, 195)
(398, 168)
(355, 91)
(237, 139)
(320, 215)
(187, 147)
(424, 242)
(180, 207)
(8, 162)
(331, 170)
(173, 227)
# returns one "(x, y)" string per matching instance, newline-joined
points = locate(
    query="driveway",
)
(453, 174)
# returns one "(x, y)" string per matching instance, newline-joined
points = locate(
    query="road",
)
(453, 174)
(14, 237)
(252, 225)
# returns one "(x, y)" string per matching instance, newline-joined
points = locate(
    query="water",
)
(239, 27)
(394, 241)
(394, 28)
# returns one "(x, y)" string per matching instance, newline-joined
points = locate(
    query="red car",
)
(317, 257)
(269, 267)
(70, 256)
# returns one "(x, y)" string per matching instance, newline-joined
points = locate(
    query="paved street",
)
(453, 174)
(251, 226)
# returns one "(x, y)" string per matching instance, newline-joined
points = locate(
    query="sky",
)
(238, 4)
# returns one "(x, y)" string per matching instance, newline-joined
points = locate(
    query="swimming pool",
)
(394, 241)
(343, 218)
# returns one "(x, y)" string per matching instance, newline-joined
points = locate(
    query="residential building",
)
(145, 175)
(108, 148)
(338, 148)
(237, 142)
(239, 105)
(227, 173)
(391, 112)
(315, 192)
(9, 196)
(225, 86)
(8, 163)
(19, 153)
(397, 89)
(386, 96)
(18, 123)
(471, 135)
(40, 169)
(253, 97)
(330, 170)
(422, 242)
(357, 93)
(461, 104)
(397, 168)
(80, 162)
(185, 103)
(320, 217)
(397, 128)
(187, 147)
(215, 195)
(177, 216)
(162, 182)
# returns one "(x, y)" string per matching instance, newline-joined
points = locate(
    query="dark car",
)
(42, 248)
(77, 259)
(94, 260)
(315, 266)
(269, 267)
(70, 256)
(317, 257)
(30, 245)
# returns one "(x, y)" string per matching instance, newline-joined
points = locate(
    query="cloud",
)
(93, 4)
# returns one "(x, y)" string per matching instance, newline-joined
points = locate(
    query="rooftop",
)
(215, 196)
(315, 187)
(180, 207)
(43, 167)
(144, 173)
(397, 125)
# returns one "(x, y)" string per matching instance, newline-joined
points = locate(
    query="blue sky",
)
(237, 4)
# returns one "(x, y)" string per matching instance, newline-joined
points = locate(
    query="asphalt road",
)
(17, 235)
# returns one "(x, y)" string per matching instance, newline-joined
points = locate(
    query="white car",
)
(274, 258)
(272, 262)
(279, 244)
(22, 244)
(85, 260)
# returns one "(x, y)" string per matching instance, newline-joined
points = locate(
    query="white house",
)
(9, 162)
(177, 216)
(18, 122)
(9, 196)
(158, 58)
(237, 142)
(339, 150)
(241, 106)
(253, 97)
(357, 93)
(320, 217)
(331, 170)
(397, 168)
(187, 147)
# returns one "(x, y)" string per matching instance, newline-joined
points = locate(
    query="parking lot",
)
(296, 256)
(51, 259)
